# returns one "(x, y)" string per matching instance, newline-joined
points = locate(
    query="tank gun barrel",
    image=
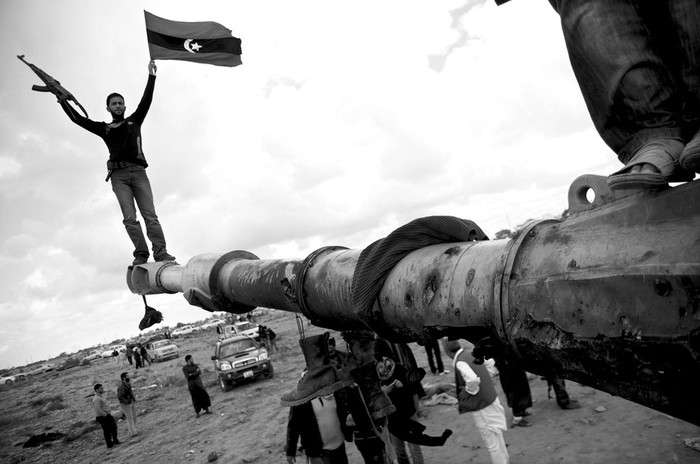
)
(609, 297)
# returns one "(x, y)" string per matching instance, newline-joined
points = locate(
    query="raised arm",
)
(87, 124)
(145, 103)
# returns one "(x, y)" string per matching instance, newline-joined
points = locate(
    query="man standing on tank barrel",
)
(126, 168)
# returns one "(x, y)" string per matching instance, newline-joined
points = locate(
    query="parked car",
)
(240, 358)
(240, 328)
(210, 324)
(109, 352)
(41, 369)
(19, 376)
(94, 354)
(7, 380)
(68, 363)
(184, 330)
(247, 328)
(161, 350)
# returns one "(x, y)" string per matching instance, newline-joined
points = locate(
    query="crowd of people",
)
(378, 408)
(137, 355)
(368, 395)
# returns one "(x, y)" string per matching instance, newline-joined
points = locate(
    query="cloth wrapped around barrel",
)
(379, 258)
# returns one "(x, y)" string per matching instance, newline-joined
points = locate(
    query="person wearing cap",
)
(476, 395)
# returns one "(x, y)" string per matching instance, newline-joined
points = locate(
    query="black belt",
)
(112, 166)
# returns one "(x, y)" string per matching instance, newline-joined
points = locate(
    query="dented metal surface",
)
(609, 298)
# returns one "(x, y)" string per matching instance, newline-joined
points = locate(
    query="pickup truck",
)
(240, 358)
(239, 328)
(211, 324)
(184, 330)
(161, 350)
(109, 352)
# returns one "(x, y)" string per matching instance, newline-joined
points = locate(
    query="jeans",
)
(637, 63)
(129, 184)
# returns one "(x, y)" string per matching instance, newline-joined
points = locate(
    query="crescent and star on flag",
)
(192, 47)
(200, 42)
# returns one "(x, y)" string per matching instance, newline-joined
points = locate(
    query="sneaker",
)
(140, 259)
(164, 257)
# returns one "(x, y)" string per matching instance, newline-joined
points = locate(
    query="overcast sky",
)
(345, 121)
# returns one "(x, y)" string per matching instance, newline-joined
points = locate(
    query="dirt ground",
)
(249, 425)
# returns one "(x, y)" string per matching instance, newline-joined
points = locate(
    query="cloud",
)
(343, 123)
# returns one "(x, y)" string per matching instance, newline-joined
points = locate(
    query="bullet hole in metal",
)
(431, 283)
(408, 299)
(470, 276)
(452, 250)
(429, 289)
(572, 263)
(662, 287)
(532, 233)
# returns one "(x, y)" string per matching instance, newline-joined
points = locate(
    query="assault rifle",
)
(52, 85)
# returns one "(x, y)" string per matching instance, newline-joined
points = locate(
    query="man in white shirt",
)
(477, 395)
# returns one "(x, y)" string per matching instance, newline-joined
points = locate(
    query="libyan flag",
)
(201, 42)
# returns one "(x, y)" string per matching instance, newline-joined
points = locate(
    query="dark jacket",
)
(124, 393)
(123, 138)
(402, 397)
(302, 423)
